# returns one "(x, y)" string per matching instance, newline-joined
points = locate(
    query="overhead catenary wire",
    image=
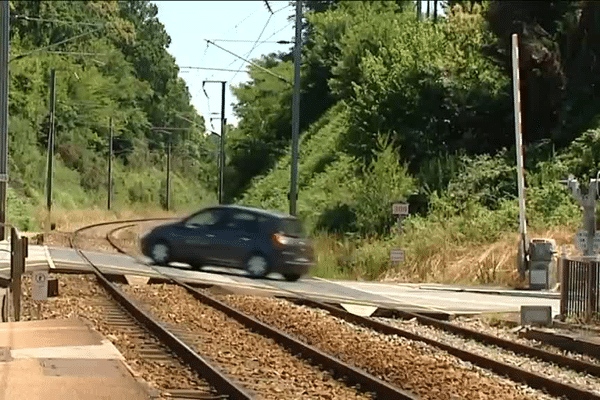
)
(275, 33)
(268, 7)
(55, 44)
(57, 21)
(209, 69)
(252, 63)
(242, 41)
(75, 53)
(255, 42)
(267, 40)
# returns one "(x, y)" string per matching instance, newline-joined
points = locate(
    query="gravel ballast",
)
(80, 296)
(510, 333)
(413, 366)
(259, 363)
(547, 369)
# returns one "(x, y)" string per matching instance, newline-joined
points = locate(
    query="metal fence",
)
(579, 289)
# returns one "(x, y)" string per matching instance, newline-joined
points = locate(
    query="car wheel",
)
(291, 277)
(160, 252)
(257, 265)
(197, 266)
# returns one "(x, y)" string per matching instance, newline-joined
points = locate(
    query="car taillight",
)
(280, 239)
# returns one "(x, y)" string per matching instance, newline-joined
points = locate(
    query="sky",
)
(189, 23)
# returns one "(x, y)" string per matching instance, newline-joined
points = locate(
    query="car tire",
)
(257, 265)
(197, 266)
(160, 252)
(291, 277)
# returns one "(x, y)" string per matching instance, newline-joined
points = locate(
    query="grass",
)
(434, 258)
(70, 220)
(451, 262)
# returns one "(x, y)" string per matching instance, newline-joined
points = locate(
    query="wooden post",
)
(16, 270)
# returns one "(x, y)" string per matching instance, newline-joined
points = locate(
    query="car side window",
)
(205, 218)
(243, 221)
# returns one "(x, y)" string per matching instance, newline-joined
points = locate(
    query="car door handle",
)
(210, 235)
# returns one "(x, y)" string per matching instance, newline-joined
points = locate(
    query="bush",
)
(385, 181)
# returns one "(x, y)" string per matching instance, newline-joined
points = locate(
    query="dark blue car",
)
(234, 236)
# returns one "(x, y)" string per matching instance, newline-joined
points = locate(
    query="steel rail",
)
(517, 374)
(532, 379)
(196, 362)
(574, 364)
(382, 389)
(564, 341)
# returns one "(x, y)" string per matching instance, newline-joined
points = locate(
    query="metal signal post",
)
(221, 194)
(296, 110)
(51, 140)
(110, 158)
(4, 50)
(168, 197)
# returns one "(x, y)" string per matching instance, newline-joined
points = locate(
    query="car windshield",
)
(292, 227)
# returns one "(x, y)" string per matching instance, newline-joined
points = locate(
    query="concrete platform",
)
(62, 360)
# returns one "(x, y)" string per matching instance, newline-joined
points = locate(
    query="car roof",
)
(266, 213)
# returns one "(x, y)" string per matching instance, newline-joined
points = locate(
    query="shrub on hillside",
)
(384, 182)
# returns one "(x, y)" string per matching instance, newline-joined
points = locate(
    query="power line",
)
(254, 46)
(242, 21)
(75, 53)
(251, 63)
(282, 8)
(58, 21)
(273, 34)
(269, 7)
(255, 42)
(212, 69)
(54, 44)
(242, 41)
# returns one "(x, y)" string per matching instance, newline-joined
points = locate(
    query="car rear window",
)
(292, 227)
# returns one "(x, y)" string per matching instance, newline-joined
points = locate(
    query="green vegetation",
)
(396, 108)
(117, 69)
(393, 108)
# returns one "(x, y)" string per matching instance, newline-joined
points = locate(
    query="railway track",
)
(346, 373)
(219, 383)
(539, 381)
(556, 387)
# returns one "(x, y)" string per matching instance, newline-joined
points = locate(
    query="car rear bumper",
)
(295, 267)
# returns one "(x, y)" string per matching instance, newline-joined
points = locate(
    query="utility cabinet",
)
(543, 272)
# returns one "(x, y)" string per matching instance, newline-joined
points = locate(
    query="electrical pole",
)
(168, 173)
(4, 49)
(110, 158)
(221, 194)
(296, 109)
(223, 127)
(51, 140)
(523, 240)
